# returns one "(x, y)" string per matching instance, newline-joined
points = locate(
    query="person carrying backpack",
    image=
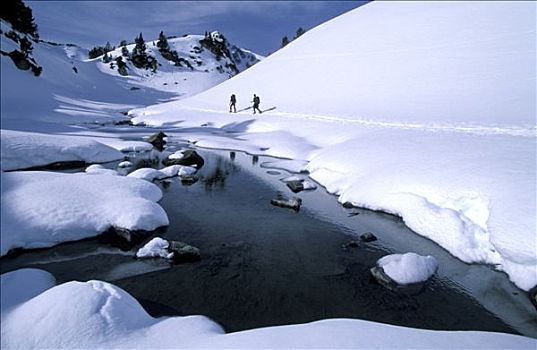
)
(256, 102)
(232, 103)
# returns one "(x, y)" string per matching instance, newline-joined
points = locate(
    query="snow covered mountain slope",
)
(199, 64)
(74, 89)
(425, 110)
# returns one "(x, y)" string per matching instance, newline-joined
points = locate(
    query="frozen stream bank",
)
(262, 265)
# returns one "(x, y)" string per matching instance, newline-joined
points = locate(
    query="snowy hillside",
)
(426, 110)
(195, 69)
(74, 89)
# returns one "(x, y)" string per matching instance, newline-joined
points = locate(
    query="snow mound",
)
(408, 268)
(97, 314)
(99, 169)
(150, 174)
(157, 247)
(22, 285)
(41, 209)
(21, 150)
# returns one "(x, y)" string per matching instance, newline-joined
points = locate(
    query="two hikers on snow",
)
(233, 102)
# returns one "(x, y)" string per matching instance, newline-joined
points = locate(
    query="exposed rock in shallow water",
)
(533, 296)
(295, 185)
(157, 140)
(384, 280)
(292, 203)
(368, 237)
(188, 180)
(348, 205)
(183, 252)
(189, 158)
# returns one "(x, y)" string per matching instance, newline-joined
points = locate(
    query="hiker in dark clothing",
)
(232, 103)
(256, 102)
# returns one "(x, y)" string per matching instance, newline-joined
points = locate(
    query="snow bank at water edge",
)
(21, 150)
(97, 314)
(427, 111)
(41, 209)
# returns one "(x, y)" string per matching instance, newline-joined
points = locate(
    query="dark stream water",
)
(261, 265)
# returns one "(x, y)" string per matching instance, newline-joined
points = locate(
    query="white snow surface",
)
(22, 150)
(408, 268)
(41, 209)
(97, 314)
(150, 174)
(99, 169)
(157, 247)
(426, 110)
(22, 285)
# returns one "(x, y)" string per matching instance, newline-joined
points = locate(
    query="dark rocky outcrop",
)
(188, 180)
(292, 203)
(157, 140)
(183, 252)
(533, 296)
(125, 239)
(387, 282)
(190, 158)
(348, 205)
(295, 185)
(368, 237)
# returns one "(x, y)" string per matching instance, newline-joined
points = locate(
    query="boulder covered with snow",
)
(187, 157)
(124, 164)
(22, 150)
(155, 248)
(409, 269)
(176, 251)
(148, 174)
(41, 209)
(99, 169)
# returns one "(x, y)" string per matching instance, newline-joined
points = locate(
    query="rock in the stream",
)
(188, 179)
(125, 164)
(348, 205)
(189, 158)
(183, 252)
(533, 296)
(406, 273)
(293, 203)
(368, 237)
(176, 251)
(295, 185)
(157, 140)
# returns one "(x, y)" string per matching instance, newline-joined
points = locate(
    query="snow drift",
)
(21, 150)
(41, 209)
(97, 314)
(425, 110)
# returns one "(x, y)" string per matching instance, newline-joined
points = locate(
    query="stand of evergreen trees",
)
(20, 16)
(285, 39)
(170, 55)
